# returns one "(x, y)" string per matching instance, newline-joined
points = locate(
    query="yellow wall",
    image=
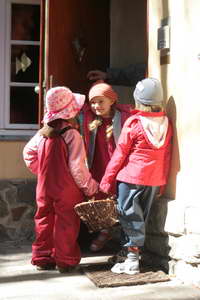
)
(127, 38)
(180, 79)
(11, 162)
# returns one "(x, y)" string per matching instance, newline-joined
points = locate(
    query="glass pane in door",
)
(25, 22)
(24, 63)
(23, 105)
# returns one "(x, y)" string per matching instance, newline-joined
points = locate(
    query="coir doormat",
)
(102, 277)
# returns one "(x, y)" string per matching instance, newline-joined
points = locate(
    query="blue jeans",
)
(133, 204)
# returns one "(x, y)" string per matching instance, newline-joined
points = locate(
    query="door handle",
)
(37, 89)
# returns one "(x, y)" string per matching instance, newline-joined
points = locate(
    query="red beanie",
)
(100, 88)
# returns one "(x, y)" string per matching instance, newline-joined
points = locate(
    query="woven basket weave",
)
(97, 214)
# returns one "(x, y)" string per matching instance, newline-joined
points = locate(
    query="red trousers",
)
(56, 223)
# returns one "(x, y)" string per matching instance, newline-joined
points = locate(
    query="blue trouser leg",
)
(134, 203)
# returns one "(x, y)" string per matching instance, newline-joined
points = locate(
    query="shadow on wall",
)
(165, 6)
(170, 192)
(156, 250)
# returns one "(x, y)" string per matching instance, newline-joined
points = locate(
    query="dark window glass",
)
(23, 105)
(25, 22)
(24, 63)
(25, 27)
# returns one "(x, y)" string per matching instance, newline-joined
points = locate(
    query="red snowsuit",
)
(58, 191)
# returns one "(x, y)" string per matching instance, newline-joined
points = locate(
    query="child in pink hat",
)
(56, 154)
(103, 119)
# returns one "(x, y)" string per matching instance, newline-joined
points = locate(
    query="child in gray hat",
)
(140, 164)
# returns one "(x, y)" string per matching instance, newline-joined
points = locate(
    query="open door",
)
(74, 40)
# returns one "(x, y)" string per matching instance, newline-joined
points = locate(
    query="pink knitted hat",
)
(61, 103)
(100, 88)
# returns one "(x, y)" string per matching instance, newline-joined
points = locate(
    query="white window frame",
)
(2, 61)
(7, 128)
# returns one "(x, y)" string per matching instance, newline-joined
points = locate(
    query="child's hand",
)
(101, 190)
(113, 197)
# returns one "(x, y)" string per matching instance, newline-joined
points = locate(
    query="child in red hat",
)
(103, 119)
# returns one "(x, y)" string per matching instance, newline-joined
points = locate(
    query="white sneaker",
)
(118, 268)
(129, 266)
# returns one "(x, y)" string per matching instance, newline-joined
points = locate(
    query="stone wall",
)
(178, 254)
(17, 208)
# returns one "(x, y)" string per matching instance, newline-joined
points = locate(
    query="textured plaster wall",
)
(180, 79)
(11, 162)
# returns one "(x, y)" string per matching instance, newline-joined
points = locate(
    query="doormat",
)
(102, 277)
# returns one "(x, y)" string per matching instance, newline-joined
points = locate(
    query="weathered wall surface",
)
(11, 160)
(17, 208)
(180, 80)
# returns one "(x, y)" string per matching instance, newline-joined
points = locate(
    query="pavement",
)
(20, 280)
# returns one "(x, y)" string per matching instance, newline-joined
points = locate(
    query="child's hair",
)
(149, 108)
(49, 130)
(97, 122)
(94, 124)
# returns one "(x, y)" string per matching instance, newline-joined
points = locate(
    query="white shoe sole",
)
(120, 268)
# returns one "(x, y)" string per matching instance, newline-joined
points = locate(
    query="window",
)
(20, 32)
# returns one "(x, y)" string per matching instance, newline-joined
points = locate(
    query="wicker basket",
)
(97, 214)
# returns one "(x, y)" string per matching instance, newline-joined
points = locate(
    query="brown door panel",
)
(77, 41)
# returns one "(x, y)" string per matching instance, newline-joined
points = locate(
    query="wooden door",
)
(75, 39)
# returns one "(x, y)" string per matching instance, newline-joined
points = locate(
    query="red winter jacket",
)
(143, 152)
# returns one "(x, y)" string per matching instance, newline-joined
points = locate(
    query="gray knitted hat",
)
(149, 92)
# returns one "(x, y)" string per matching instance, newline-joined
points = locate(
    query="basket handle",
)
(92, 199)
(112, 197)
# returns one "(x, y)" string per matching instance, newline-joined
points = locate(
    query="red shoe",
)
(98, 243)
(67, 269)
(46, 267)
